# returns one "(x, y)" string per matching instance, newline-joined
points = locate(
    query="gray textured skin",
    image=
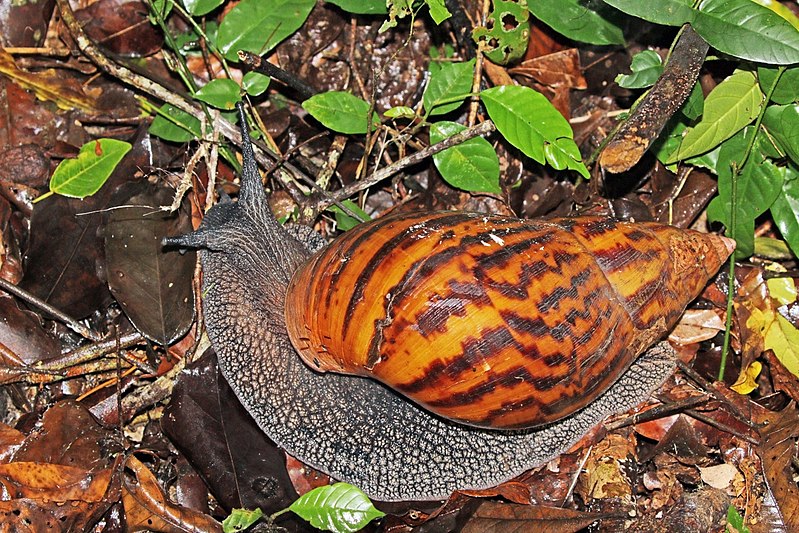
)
(352, 428)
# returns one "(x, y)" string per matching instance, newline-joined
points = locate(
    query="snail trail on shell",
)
(352, 427)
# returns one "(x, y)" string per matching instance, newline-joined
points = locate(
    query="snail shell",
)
(495, 321)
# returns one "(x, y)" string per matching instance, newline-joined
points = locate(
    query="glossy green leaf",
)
(240, 519)
(759, 183)
(362, 7)
(339, 507)
(787, 89)
(646, 67)
(785, 209)
(85, 174)
(749, 31)
(257, 26)
(346, 222)
(668, 12)
(782, 10)
(732, 104)
(740, 28)
(222, 93)
(255, 83)
(340, 111)
(530, 122)
(579, 20)
(472, 165)
(507, 31)
(172, 124)
(782, 123)
(201, 7)
(452, 80)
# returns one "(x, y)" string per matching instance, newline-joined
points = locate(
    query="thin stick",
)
(70, 322)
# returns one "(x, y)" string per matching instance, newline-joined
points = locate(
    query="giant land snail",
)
(440, 351)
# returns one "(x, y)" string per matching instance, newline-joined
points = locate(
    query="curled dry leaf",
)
(148, 509)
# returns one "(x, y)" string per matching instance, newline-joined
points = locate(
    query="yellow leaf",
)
(746, 380)
(783, 339)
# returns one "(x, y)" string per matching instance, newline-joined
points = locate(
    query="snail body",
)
(495, 321)
(352, 427)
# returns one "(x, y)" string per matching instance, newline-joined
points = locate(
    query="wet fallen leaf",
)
(148, 509)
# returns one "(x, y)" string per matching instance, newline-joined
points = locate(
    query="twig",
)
(647, 120)
(483, 128)
(304, 90)
(59, 315)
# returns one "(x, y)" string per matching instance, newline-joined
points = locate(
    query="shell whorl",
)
(495, 321)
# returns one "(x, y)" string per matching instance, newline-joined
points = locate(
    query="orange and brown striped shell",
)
(495, 321)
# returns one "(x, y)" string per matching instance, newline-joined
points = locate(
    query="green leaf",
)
(84, 175)
(222, 93)
(257, 26)
(507, 31)
(438, 11)
(771, 248)
(397, 9)
(160, 7)
(339, 507)
(759, 183)
(201, 7)
(782, 123)
(362, 7)
(749, 31)
(785, 209)
(695, 105)
(740, 28)
(172, 124)
(472, 165)
(343, 220)
(452, 80)
(732, 104)
(530, 122)
(646, 67)
(579, 20)
(668, 12)
(255, 83)
(787, 89)
(400, 111)
(340, 111)
(240, 519)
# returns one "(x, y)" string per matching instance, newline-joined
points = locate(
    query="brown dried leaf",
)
(69, 435)
(776, 449)
(10, 441)
(697, 325)
(50, 482)
(148, 509)
(121, 26)
(48, 85)
(497, 517)
(559, 69)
